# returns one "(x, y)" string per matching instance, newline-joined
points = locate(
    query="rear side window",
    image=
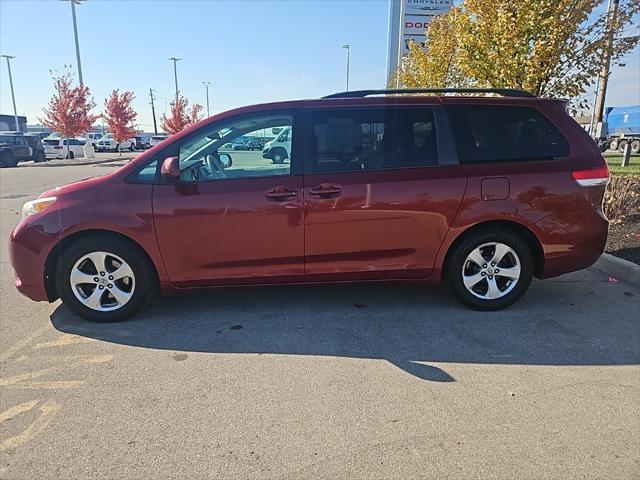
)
(494, 133)
(373, 139)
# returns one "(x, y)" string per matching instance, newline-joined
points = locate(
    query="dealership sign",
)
(408, 21)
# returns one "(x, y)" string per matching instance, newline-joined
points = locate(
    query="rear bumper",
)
(28, 251)
(575, 244)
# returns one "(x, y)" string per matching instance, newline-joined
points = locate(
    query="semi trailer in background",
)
(621, 127)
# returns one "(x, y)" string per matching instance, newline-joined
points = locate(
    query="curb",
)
(76, 164)
(618, 268)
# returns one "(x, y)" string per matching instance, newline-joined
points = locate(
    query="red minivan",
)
(483, 192)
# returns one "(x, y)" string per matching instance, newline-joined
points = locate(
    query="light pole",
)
(75, 35)
(206, 86)
(13, 96)
(175, 73)
(603, 78)
(348, 48)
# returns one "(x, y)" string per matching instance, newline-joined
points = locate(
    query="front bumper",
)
(29, 247)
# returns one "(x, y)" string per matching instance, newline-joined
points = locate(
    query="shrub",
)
(622, 198)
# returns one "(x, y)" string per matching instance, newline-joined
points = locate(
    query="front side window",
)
(210, 154)
(488, 133)
(374, 139)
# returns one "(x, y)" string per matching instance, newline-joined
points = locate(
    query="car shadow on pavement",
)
(409, 325)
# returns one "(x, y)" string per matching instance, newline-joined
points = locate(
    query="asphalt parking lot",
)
(360, 381)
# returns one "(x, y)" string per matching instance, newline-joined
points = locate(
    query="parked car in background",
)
(481, 193)
(239, 144)
(93, 138)
(16, 147)
(278, 149)
(58, 148)
(141, 143)
(156, 139)
(109, 143)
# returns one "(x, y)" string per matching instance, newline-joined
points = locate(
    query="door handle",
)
(326, 190)
(280, 193)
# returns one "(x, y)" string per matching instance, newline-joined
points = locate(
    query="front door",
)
(234, 217)
(379, 196)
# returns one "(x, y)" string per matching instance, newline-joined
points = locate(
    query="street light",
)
(206, 86)
(175, 73)
(13, 97)
(75, 34)
(348, 48)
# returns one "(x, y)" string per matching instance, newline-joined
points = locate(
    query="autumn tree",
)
(69, 110)
(120, 116)
(548, 47)
(181, 116)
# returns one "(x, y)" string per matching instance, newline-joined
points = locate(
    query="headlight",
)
(36, 206)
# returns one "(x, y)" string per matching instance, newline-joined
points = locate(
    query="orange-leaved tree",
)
(181, 116)
(69, 110)
(119, 115)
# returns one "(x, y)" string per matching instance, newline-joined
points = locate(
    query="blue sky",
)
(251, 51)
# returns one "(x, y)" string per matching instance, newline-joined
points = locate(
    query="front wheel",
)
(39, 157)
(132, 147)
(8, 159)
(105, 279)
(70, 155)
(613, 144)
(490, 269)
(278, 156)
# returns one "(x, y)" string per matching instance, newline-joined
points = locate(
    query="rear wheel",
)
(490, 269)
(105, 278)
(70, 155)
(635, 146)
(39, 157)
(132, 147)
(622, 144)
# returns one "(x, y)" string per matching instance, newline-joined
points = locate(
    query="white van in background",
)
(279, 148)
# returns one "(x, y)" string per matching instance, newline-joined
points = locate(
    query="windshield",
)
(108, 136)
(51, 141)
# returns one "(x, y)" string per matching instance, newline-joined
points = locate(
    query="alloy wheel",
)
(491, 271)
(102, 281)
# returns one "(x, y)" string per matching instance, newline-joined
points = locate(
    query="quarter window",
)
(488, 133)
(374, 139)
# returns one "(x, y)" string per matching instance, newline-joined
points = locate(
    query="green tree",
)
(551, 48)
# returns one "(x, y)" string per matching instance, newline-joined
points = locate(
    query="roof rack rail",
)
(505, 92)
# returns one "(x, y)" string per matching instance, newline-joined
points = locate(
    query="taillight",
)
(592, 177)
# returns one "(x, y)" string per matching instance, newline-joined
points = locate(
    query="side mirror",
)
(225, 160)
(170, 169)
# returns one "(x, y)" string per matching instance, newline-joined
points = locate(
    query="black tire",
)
(278, 155)
(457, 258)
(635, 146)
(144, 274)
(39, 157)
(8, 159)
(70, 155)
(132, 147)
(622, 144)
(613, 144)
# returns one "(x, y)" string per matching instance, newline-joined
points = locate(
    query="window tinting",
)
(373, 139)
(487, 133)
